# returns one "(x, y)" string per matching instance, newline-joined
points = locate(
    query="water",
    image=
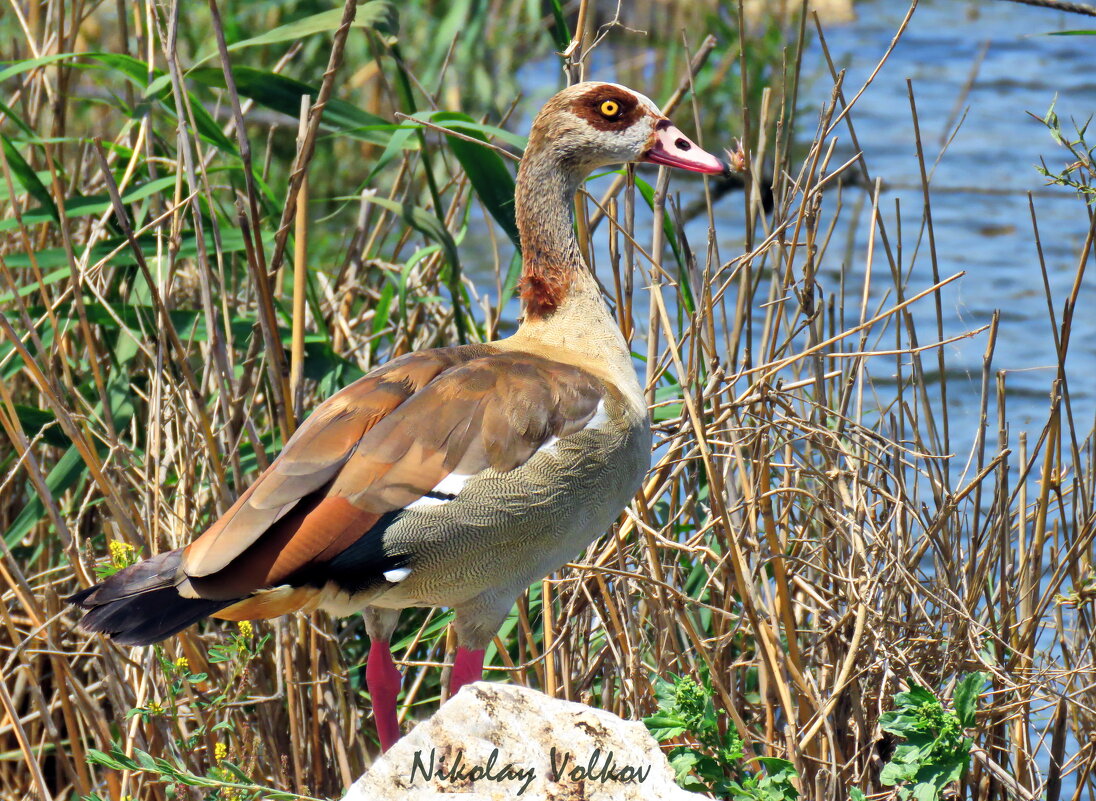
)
(979, 189)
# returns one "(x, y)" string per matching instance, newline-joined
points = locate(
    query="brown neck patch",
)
(588, 107)
(543, 288)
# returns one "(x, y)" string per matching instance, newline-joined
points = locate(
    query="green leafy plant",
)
(1080, 174)
(716, 762)
(935, 752)
(225, 781)
(187, 695)
(776, 784)
(122, 555)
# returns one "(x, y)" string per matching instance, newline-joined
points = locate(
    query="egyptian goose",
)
(449, 477)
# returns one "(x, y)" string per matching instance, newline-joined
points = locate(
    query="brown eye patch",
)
(607, 108)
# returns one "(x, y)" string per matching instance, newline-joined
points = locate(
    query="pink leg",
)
(383, 680)
(467, 668)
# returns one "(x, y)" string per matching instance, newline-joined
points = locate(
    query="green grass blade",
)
(560, 32)
(374, 14)
(281, 93)
(26, 176)
(488, 174)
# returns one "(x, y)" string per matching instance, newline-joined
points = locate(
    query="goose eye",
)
(609, 108)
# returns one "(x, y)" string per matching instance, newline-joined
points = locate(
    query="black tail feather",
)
(141, 605)
(149, 617)
(78, 598)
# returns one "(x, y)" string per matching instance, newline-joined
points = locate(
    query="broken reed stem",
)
(277, 372)
(300, 264)
(304, 153)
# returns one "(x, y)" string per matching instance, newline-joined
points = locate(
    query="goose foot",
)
(383, 680)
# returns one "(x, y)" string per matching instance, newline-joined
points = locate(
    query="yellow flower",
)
(155, 708)
(245, 627)
(121, 553)
(220, 751)
(182, 663)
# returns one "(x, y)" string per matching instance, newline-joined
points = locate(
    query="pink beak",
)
(675, 149)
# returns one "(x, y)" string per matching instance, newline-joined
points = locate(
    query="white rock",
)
(496, 742)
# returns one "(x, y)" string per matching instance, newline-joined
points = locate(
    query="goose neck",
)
(552, 262)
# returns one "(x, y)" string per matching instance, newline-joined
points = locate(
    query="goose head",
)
(594, 124)
(584, 127)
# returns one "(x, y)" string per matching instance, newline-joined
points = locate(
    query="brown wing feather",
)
(490, 412)
(315, 454)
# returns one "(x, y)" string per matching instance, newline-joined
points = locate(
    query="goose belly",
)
(505, 530)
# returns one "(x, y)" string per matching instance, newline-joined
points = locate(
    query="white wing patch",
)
(450, 487)
(426, 501)
(452, 484)
(444, 491)
(597, 422)
(600, 418)
(397, 575)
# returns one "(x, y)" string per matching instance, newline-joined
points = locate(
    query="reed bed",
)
(191, 260)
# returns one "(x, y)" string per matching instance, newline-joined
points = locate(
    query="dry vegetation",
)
(810, 539)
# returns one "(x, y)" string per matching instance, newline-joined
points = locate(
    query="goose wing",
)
(416, 429)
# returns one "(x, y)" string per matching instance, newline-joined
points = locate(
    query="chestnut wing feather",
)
(315, 454)
(491, 412)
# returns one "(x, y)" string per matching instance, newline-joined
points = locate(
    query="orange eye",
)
(609, 108)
